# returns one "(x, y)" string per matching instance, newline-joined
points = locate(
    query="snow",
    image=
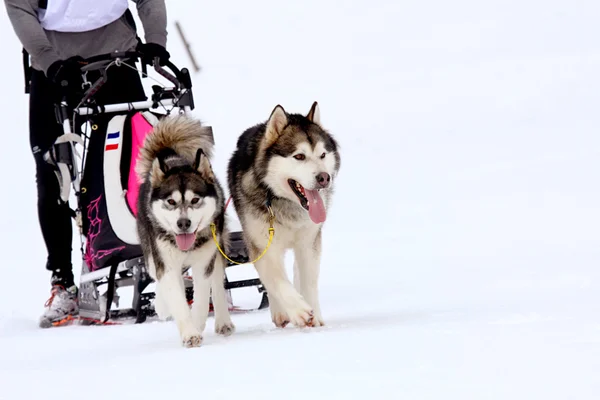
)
(462, 252)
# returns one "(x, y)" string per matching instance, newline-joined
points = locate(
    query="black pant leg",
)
(54, 218)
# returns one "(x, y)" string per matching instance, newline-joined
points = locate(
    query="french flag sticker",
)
(112, 141)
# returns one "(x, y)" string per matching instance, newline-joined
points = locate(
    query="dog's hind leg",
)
(278, 314)
(173, 294)
(160, 306)
(223, 324)
(200, 308)
(307, 255)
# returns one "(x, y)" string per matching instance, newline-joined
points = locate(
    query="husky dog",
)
(179, 199)
(286, 165)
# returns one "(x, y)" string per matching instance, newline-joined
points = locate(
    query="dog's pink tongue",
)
(185, 241)
(316, 208)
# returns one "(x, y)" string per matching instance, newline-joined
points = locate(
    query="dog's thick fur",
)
(179, 198)
(286, 147)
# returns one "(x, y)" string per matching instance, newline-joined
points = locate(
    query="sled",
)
(105, 188)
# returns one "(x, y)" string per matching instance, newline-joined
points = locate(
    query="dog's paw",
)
(164, 316)
(194, 340)
(280, 319)
(317, 321)
(302, 315)
(278, 315)
(225, 328)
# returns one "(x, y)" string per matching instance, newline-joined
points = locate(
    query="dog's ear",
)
(202, 165)
(199, 155)
(277, 121)
(314, 115)
(162, 164)
(157, 173)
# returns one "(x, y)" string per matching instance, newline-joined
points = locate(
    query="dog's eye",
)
(323, 155)
(300, 157)
(195, 200)
(171, 202)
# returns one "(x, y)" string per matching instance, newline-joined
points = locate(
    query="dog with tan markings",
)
(179, 199)
(286, 166)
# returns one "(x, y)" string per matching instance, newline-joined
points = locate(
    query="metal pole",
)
(187, 46)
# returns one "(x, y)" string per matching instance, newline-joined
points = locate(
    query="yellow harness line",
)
(213, 228)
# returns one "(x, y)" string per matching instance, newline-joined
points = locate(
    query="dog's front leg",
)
(307, 255)
(223, 324)
(173, 294)
(288, 304)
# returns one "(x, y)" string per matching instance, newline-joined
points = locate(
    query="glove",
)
(151, 50)
(66, 75)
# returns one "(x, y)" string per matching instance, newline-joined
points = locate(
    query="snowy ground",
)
(462, 254)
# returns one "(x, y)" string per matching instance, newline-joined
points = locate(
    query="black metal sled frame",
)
(96, 308)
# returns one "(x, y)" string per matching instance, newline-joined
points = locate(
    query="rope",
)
(213, 228)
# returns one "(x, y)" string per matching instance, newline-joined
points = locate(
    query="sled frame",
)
(94, 307)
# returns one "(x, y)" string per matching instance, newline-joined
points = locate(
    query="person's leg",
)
(54, 218)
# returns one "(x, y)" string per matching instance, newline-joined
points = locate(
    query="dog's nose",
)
(323, 179)
(184, 224)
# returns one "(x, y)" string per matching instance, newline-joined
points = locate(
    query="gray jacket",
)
(45, 47)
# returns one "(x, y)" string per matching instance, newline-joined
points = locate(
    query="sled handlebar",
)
(179, 96)
(179, 77)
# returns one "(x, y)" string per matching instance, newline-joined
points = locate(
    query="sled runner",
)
(105, 187)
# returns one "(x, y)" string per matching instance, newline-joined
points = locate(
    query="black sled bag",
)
(109, 188)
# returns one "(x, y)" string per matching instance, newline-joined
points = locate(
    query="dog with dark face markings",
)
(286, 165)
(179, 199)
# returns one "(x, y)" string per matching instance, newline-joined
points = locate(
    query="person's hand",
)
(66, 75)
(150, 51)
